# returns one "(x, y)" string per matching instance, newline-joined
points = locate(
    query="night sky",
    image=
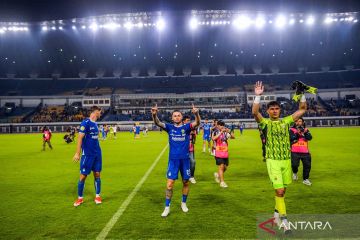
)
(40, 10)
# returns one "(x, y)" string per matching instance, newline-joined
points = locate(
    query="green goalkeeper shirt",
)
(277, 137)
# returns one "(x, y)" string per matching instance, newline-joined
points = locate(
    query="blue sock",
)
(81, 185)
(184, 197)
(97, 184)
(167, 202)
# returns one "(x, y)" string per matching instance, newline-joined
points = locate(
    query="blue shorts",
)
(90, 163)
(206, 138)
(176, 165)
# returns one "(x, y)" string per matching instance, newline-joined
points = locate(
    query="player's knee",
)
(97, 174)
(82, 177)
(185, 183)
(170, 185)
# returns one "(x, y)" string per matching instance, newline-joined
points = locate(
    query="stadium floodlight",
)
(94, 26)
(328, 20)
(44, 28)
(280, 21)
(193, 23)
(83, 27)
(128, 25)
(2, 31)
(292, 21)
(53, 28)
(242, 22)
(260, 22)
(60, 28)
(160, 24)
(73, 27)
(310, 20)
(355, 21)
(111, 26)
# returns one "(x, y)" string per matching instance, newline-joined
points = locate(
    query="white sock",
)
(97, 195)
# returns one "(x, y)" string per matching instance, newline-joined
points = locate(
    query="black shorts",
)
(224, 161)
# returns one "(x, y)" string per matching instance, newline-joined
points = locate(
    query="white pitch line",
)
(122, 208)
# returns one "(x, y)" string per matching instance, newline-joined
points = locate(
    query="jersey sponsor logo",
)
(91, 128)
(95, 137)
(178, 139)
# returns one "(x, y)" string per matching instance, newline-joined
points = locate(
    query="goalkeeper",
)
(277, 146)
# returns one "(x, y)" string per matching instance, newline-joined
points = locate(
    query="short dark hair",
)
(273, 104)
(186, 117)
(95, 108)
(221, 123)
(176, 111)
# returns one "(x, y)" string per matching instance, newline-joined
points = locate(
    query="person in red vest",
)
(220, 137)
(299, 138)
(46, 137)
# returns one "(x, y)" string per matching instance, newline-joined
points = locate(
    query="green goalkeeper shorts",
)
(279, 172)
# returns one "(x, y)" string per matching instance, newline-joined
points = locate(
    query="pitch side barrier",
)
(337, 121)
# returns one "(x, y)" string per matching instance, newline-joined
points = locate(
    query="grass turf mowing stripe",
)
(122, 208)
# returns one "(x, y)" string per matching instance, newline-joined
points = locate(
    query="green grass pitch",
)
(38, 188)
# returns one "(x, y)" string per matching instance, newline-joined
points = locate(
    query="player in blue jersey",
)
(206, 135)
(88, 149)
(179, 140)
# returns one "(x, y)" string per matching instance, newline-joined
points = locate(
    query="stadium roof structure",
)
(172, 43)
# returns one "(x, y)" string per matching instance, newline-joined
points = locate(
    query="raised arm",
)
(259, 89)
(302, 109)
(155, 118)
(197, 121)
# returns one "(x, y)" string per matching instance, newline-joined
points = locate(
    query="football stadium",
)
(176, 120)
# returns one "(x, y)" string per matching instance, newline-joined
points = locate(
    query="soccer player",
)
(206, 136)
(137, 130)
(222, 151)
(191, 151)
(89, 148)
(241, 127)
(179, 140)
(114, 128)
(299, 138)
(46, 137)
(72, 133)
(277, 149)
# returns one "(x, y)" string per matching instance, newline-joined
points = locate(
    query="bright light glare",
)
(260, 22)
(128, 25)
(310, 20)
(111, 26)
(328, 20)
(193, 23)
(94, 26)
(242, 22)
(280, 21)
(160, 24)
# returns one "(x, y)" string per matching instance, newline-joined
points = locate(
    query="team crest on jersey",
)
(182, 131)
(82, 128)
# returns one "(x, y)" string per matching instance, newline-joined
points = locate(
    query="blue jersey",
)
(137, 129)
(90, 144)
(207, 128)
(179, 140)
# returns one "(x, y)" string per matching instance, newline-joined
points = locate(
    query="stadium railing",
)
(337, 121)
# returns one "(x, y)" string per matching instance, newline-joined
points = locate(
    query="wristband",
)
(303, 99)
(257, 100)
